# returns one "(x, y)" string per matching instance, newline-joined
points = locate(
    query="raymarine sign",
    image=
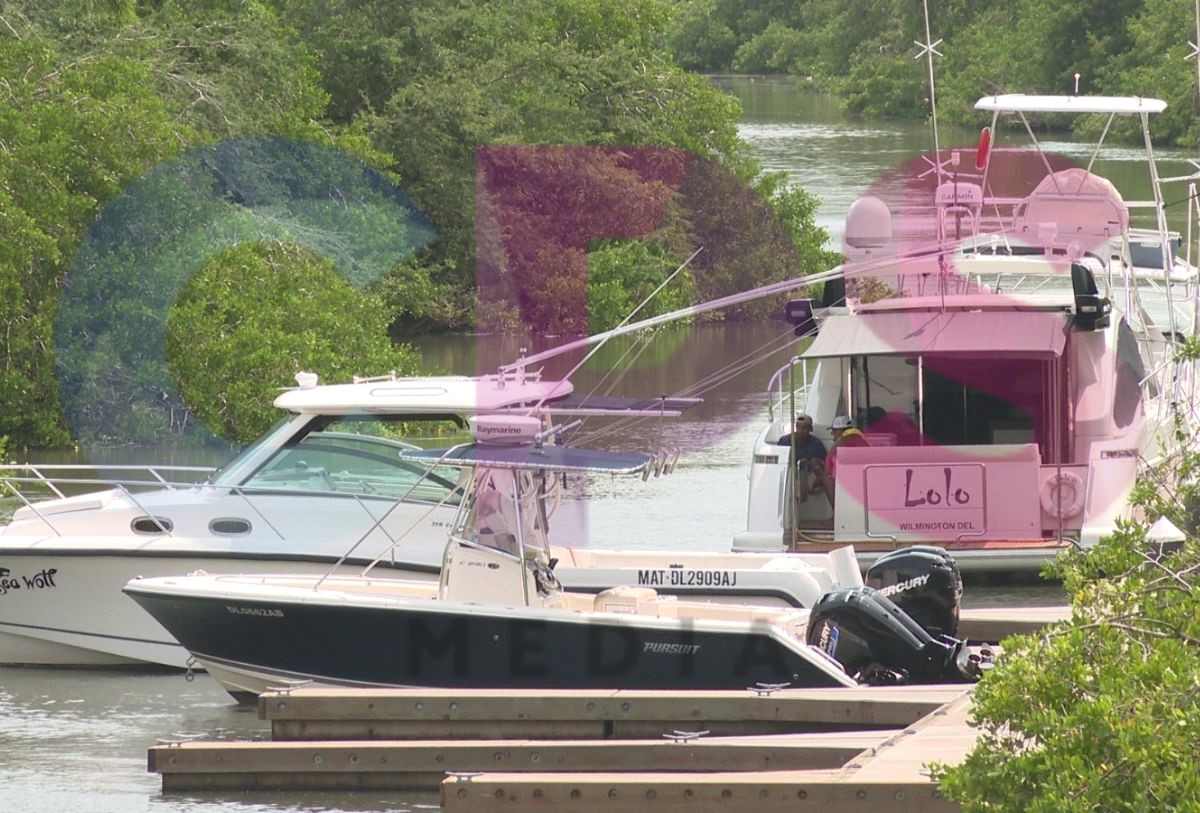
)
(504, 430)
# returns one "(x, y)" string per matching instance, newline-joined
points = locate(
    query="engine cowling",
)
(876, 642)
(924, 581)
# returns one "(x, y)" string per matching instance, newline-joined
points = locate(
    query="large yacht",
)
(1005, 360)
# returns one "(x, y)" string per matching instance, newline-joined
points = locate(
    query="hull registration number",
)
(680, 577)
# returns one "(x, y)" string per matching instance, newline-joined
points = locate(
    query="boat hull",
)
(63, 605)
(65, 608)
(251, 645)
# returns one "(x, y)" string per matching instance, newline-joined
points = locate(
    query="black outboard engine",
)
(924, 581)
(877, 642)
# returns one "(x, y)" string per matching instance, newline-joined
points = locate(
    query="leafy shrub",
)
(256, 315)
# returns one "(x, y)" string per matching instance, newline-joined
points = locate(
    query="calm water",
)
(74, 742)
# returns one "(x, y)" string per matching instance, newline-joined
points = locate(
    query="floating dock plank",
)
(891, 775)
(421, 766)
(342, 714)
(694, 793)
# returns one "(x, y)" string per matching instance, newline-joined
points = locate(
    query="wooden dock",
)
(485, 746)
(890, 774)
(852, 749)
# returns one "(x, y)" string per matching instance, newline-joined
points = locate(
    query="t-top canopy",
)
(908, 333)
(1022, 103)
(551, 458)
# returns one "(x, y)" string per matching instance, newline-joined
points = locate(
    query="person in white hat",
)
(844, 434)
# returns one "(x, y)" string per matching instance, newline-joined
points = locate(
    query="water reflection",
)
(75, 741)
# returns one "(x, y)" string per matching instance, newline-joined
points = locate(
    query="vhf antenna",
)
(928, 50)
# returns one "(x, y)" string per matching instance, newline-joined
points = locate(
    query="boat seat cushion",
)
(623, 599)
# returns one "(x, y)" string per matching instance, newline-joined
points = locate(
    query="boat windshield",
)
(234, 468)
(506, 511)
(360, 455)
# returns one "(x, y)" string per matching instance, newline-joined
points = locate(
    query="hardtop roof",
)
(1027, 103)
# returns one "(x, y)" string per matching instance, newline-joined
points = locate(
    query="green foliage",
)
(92, 96)
(778, 49)
(698, 39)
(258, 314)
(96, 93)
(433, 82)
(622, 274)
(1101, 712)
(73, 130)
(751, 234)
(862, 49)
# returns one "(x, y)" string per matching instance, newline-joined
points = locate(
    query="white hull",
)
(764, 579)
(80, 617)
(245, 683)
(40, 651)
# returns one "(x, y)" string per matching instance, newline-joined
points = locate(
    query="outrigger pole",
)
(762, 292)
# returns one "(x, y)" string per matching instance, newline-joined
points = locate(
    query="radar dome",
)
(868, 225)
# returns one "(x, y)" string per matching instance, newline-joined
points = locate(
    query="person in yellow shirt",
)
(844, 434)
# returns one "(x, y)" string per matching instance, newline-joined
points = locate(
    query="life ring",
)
(1052, 495)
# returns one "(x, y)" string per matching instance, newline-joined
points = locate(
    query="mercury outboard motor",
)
(924, 581)
(877, 642)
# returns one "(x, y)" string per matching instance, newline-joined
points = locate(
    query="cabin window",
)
(985, 402)
(229, 526)
(151, 525)
(967, 401)
(885, 399)
(361, 455)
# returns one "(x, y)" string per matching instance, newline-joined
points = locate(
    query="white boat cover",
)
(909, 333)
(1074, 195)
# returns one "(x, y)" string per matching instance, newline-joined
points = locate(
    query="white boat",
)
(500, 618)
(327, 488)
(1010, 361)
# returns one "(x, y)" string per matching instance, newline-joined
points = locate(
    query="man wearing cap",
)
(808, 446)
(844, 434)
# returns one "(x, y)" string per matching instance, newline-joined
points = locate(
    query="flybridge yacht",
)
(331, 487)
(1007, 370)
(499, 617)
